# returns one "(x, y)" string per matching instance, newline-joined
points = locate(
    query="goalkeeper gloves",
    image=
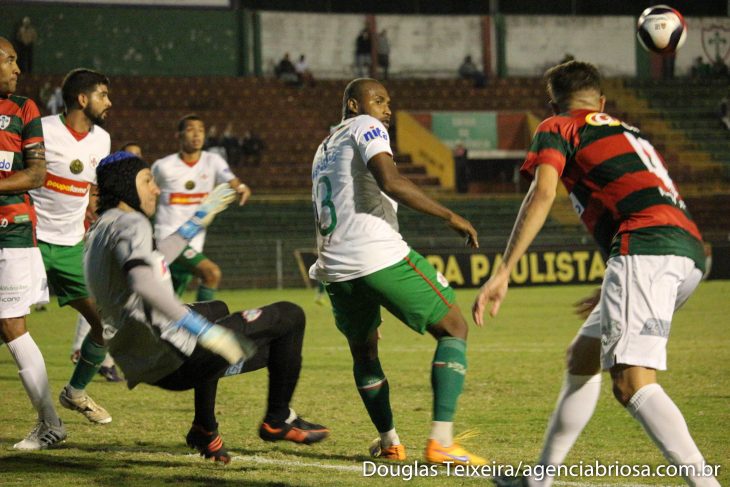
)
(216, 201)
(231, 346)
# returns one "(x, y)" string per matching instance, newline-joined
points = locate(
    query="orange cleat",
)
(393, 452)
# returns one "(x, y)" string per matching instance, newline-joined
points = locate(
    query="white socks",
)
(575, 406)
(389, 438)
(665, 425)
(443, 432)
(32, 371)
(82, 329)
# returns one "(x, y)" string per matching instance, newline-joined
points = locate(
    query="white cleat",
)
(42, 436)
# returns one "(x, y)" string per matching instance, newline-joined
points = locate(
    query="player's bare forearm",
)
(405, 192)
(29, 178)
(532, 215)
(244, 192)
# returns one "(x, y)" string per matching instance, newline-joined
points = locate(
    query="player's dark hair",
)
(568, 78)
(124, 146)
(184, 121)
(354, 90)
(116, 178)
(79, 81)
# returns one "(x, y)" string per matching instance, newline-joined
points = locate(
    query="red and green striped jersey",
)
(618, 185)
(20, 126)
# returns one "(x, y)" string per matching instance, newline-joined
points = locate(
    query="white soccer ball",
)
(661, 29)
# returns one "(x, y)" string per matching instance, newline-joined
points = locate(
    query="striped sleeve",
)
(549, 146)
(32, 127)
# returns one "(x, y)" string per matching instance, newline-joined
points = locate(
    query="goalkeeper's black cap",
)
(116, 178)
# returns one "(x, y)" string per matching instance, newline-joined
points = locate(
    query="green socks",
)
(205, 293)
(447, 376)
(375, 393)
(92, 355)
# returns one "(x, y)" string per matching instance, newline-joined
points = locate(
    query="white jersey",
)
(70, 171)
(357, 224)
(183, 187)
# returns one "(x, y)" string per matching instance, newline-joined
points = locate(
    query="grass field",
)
(515, 372)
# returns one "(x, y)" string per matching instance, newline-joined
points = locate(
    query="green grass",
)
(515, 373)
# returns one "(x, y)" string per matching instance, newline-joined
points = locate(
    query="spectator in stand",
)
(252, 146)
(45, 93)
(303, 72)
(724, 118)
(384, 52)
(699, 69)
(25, 37)
(462, 168)
(213, 143)
(469, 70)
(363, 44)
(286, 72)
(719, 68)
(229, 142)
(55, 102)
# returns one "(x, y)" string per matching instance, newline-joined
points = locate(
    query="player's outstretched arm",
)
(402, 190)
(530, 219)
(243, 191)
(216, 201)
(214, 337)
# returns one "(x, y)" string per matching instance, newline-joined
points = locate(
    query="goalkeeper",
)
(157, 340)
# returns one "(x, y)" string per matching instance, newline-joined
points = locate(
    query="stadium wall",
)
(165, 41)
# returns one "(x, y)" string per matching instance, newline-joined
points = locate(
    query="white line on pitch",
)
(353, 468)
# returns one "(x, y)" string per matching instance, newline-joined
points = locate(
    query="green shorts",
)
(181, 270)
(65, 270)
(411, 289)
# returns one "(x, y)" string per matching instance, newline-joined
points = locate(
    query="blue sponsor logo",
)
(374, 133)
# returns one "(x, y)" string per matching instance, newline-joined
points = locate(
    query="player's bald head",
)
(355, 90)
(5, 47)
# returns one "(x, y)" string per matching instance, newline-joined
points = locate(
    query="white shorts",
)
(22, 281)
(638, 298)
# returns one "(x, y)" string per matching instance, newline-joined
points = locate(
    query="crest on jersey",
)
(189, 184)
(189, 253)
(4, 122)
(76, 166)
(251, 314)
(597, 119)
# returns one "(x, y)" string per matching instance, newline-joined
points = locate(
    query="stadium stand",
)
(293, 121)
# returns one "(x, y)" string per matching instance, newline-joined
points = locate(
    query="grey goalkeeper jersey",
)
(142, 341)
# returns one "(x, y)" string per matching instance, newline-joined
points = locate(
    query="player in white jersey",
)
(75, 143)
(365, 264)
(185, 178)
(108, 369)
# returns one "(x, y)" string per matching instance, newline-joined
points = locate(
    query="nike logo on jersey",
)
(374, 133)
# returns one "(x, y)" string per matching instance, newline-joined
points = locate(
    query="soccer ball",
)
(661, 29)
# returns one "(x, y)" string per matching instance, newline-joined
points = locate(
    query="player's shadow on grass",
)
(122, 472)
(310, 453)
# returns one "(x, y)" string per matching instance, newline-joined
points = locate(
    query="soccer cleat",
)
(298, 431)
(42, 436)
(507, 481)
(208, 443)
(110, 373)
(85, 405)
(393, 452)
(437, 453)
